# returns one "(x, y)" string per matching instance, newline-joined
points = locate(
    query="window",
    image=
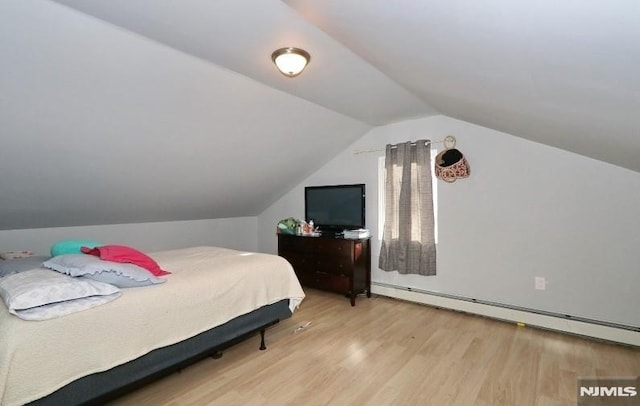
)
(434, 182)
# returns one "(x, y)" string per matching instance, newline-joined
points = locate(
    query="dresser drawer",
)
(314, 245)
(334, 247)
(298, 260)
(323, 281)
(318, 263)
(287, 243)
(333, 265)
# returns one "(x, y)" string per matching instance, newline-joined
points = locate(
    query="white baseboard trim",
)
(607, 333)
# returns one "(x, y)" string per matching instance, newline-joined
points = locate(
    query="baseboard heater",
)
(619, 333)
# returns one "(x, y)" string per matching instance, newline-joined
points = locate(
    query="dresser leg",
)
(262, 344)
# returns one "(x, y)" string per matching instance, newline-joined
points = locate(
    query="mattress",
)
(208, 287)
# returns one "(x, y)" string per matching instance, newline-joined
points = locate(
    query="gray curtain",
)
(408, 238)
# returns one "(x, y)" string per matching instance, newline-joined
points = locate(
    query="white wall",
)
(236, 233)
(527, 210)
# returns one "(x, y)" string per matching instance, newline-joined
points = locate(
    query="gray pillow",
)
(122, 275)
(9, 266)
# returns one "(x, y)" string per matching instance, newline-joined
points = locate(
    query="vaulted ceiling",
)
(146, 110)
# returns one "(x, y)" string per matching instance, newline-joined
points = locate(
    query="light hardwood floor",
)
(389, 352)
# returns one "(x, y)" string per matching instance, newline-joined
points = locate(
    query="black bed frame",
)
(100, 387)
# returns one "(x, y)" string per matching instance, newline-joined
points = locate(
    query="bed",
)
(213, 297)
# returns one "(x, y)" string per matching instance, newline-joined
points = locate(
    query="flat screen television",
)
(335, 208)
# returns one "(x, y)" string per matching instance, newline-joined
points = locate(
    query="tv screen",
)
(335, 208)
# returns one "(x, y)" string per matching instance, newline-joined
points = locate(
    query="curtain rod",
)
(449, 142)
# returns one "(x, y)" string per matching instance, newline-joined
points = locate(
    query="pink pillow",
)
(123, 254)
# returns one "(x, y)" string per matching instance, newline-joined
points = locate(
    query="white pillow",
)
(122, 275)
(60, 309)
(40, 287)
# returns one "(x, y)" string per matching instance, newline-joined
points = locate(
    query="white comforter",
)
(208, 287)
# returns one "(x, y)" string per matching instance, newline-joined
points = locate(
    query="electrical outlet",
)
(541, 283)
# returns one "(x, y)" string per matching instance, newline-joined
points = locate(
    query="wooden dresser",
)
(335, 264)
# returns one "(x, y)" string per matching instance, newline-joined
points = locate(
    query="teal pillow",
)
(72, 246)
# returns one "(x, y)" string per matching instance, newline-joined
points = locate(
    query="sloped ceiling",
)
(154, 110)
(103, 126)
(563, 73)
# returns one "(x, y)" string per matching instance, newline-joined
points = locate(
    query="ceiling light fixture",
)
(290, 61)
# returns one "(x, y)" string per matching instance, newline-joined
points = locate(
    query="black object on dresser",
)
(335, 264)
